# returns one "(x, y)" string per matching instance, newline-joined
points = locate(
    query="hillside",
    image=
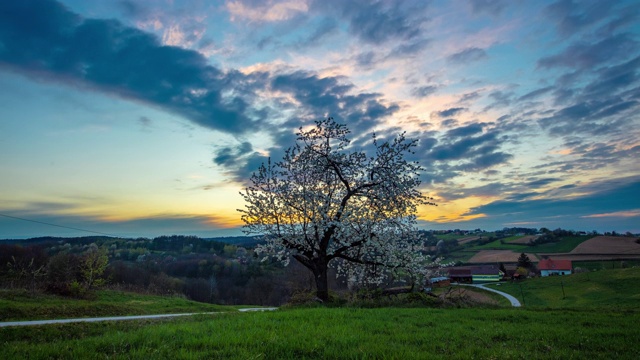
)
(615, 289)
(505, 246)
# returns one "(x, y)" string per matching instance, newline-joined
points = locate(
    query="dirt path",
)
(115, 318)
(514, 302)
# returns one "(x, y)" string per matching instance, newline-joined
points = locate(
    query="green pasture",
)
(342, 333)
(604, 289)
(596, 265)
(502, 244)
(23, 305)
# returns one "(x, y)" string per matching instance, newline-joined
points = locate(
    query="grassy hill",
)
(22, 305)
(596, 319)
(616, 289)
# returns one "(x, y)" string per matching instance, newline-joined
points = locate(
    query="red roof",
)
(550, 264)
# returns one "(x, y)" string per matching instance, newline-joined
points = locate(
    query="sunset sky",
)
(145, 118)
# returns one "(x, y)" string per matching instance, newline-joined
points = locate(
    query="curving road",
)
(115, 318)
(514, 302)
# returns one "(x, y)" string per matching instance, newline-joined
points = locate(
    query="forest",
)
(224, 271)
(200, 269)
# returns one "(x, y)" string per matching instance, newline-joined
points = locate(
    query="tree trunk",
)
(322, 283)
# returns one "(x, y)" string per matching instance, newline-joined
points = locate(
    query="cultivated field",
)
(524, 240)
(468, 239)
(601, 248)
(608, 245)
(489, 256)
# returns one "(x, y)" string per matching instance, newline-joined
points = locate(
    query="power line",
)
(60, 226)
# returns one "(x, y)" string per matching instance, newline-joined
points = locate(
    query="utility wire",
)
(60, 226)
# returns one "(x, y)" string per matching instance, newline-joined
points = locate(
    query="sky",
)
(141, 118)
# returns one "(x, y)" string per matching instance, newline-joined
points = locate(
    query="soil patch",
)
(608, 245)
(465, 240)
(524, 240)
(489, 256)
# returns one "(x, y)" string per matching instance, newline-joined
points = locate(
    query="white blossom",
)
(325, 204)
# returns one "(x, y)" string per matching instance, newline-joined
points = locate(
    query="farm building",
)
(549, 267)
(440, 281)
(475, 274)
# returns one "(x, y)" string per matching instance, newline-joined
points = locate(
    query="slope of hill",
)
(615, 289)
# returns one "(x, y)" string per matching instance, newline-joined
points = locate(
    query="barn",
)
(475, 274)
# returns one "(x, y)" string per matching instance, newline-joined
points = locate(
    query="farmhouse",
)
(550, 267)
(475, 274)
(440, 281)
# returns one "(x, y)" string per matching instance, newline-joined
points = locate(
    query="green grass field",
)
(21, 305)
(604, 289)
(342, 333)
(596, 318)
(502, 244)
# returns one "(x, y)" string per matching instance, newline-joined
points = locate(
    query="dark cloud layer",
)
(378, 21)
(586, 55)
(572, 16)
(447, 112)
(44, 39)
(617, 197)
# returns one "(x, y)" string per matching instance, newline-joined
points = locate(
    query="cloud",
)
(145, 122)
(587, 55)
(614, 199)
(271, 11)
(470, 96)
(612, 79)
(447, 113)
(228, 155)
(55, 44)
(321, 32)
(332, 96)
(465, 131)
(492, 7)
(377, 22)
(571, 17)
(478, 152)
(535, 93)
(467, 55)
(54, 224)
(48, 41)
(618, 214)
(424, 91)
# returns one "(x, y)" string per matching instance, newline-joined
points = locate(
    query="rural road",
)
(513, 300)
(115, 318)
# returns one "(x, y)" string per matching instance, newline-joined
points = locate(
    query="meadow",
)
(342, 333)
(603, 289)
(24, 305)
(597, 319)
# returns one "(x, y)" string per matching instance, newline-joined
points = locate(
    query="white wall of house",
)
(554, 272)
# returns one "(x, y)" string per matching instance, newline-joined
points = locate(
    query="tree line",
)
(199, 269)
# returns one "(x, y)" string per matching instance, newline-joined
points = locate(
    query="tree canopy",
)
(326, 203)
